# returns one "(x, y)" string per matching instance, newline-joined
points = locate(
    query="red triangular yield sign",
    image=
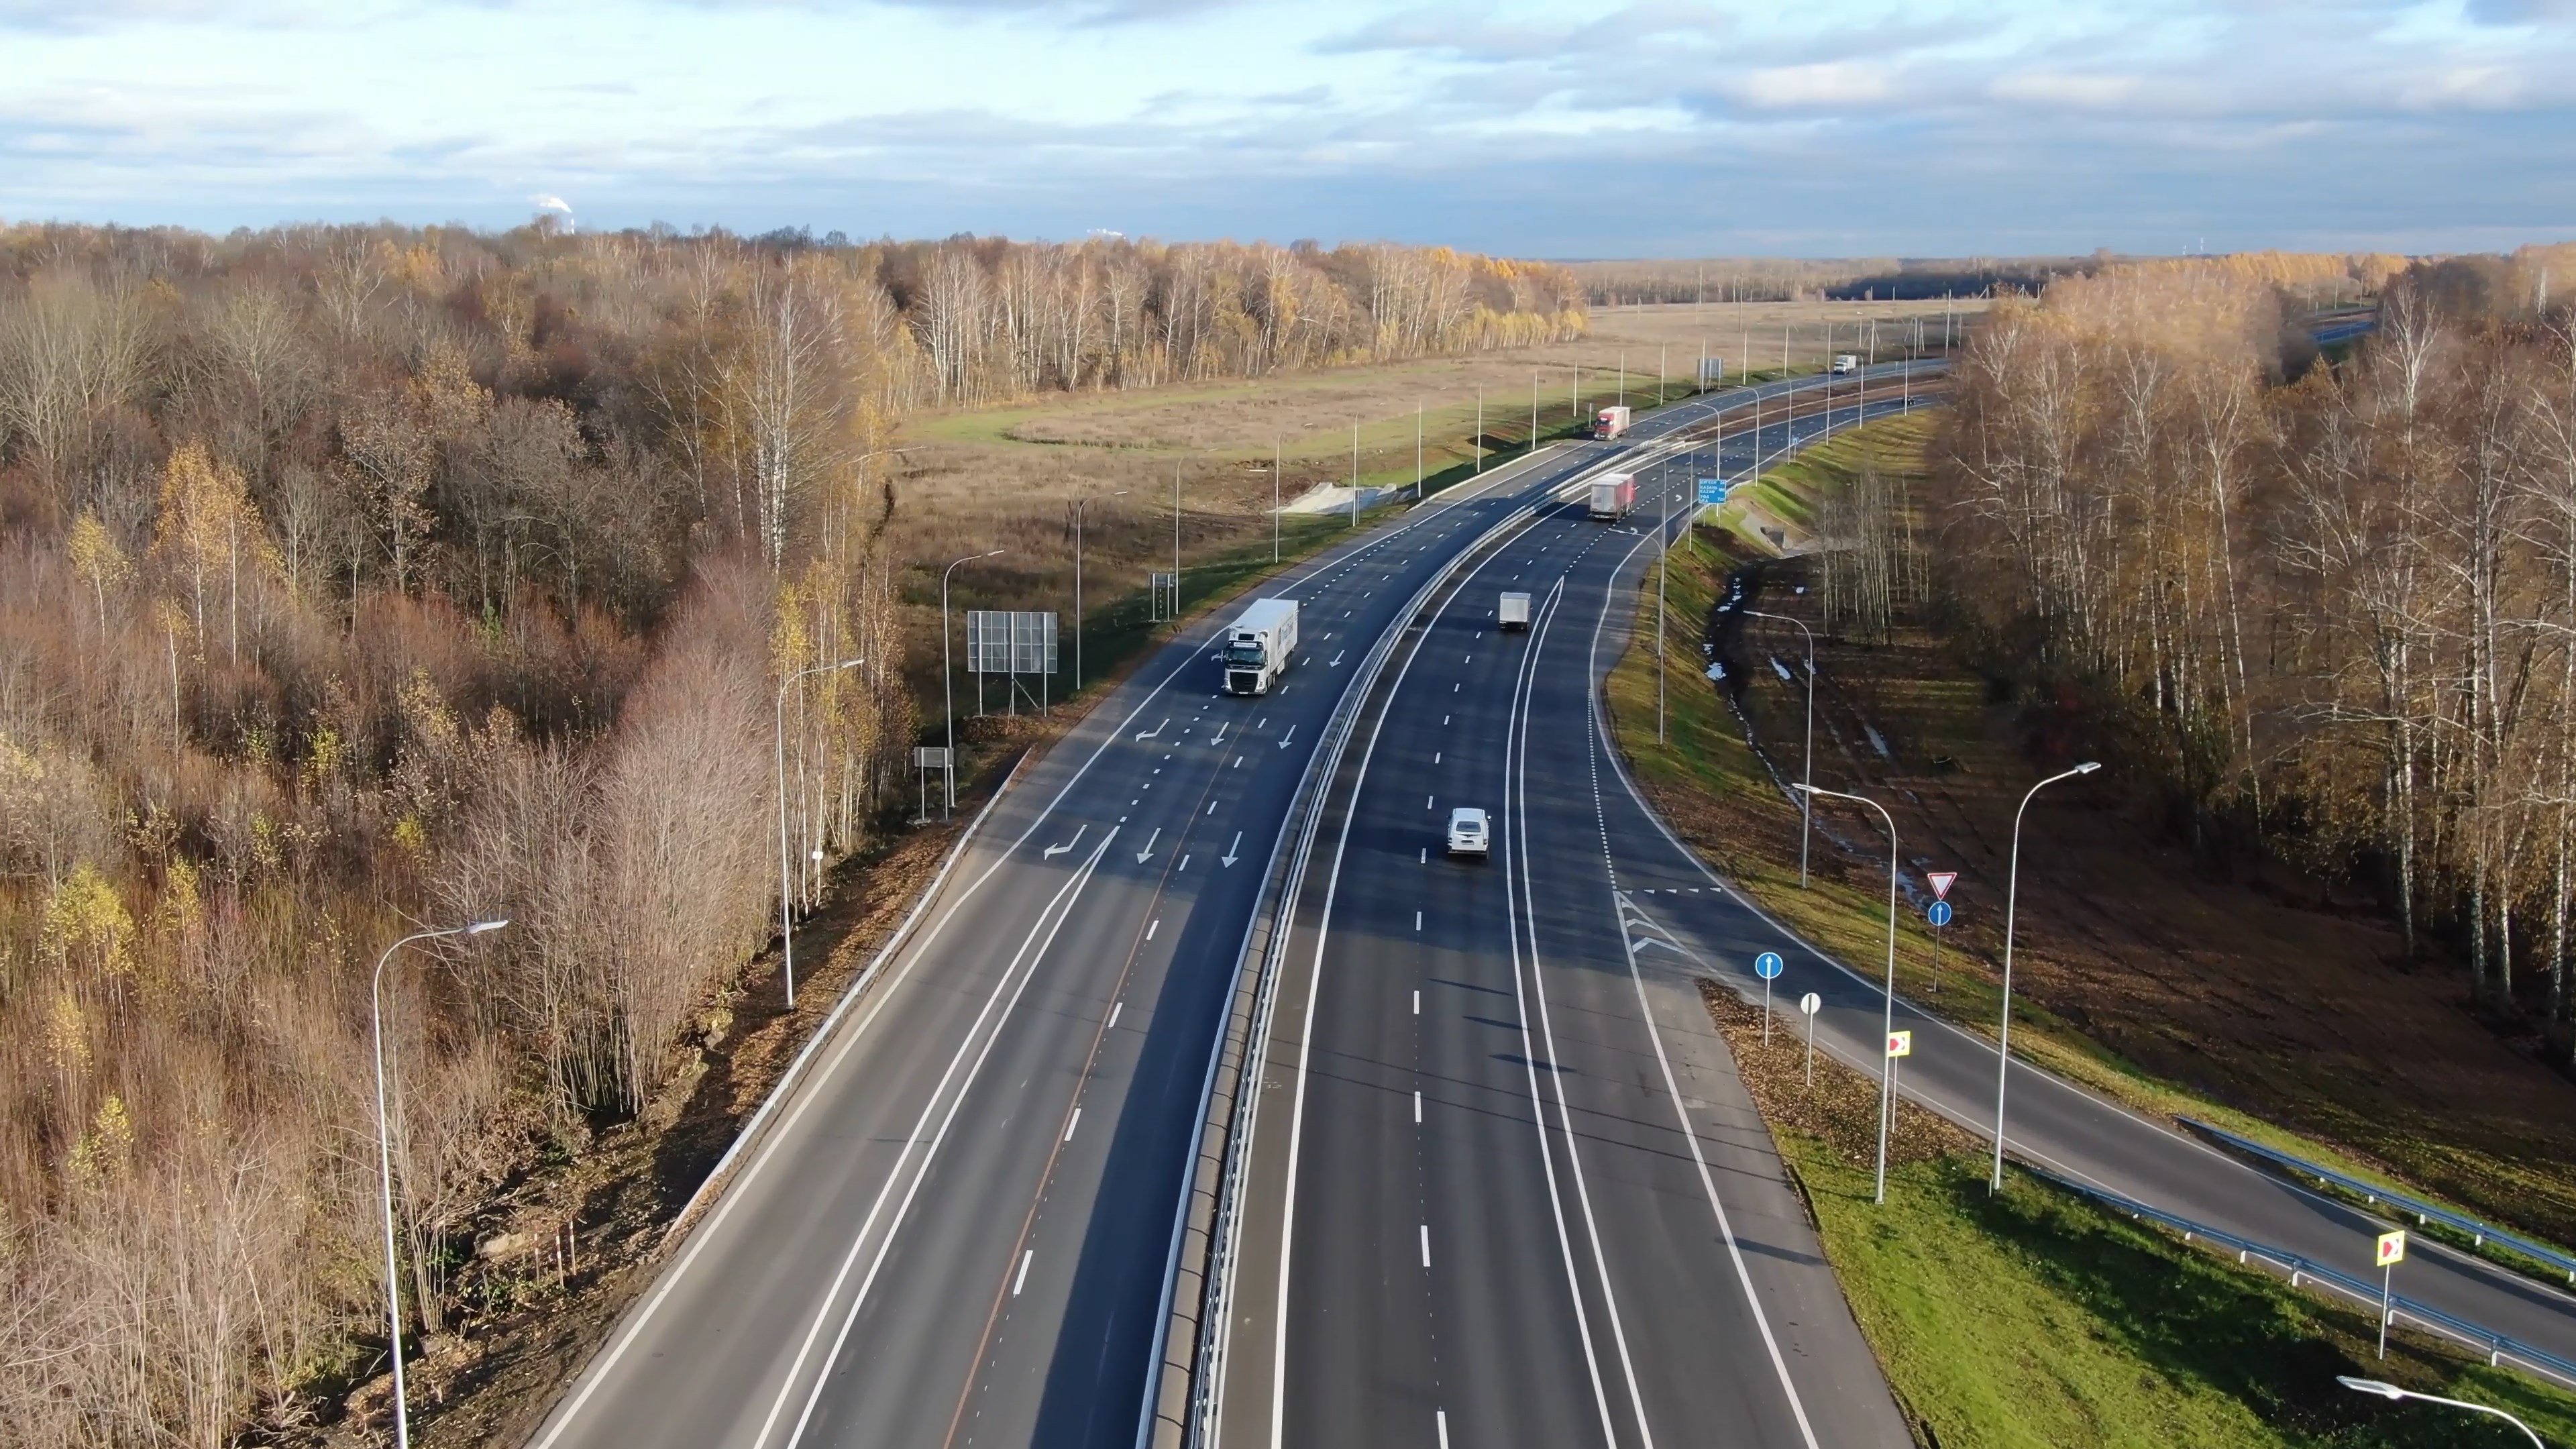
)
(1941, 880)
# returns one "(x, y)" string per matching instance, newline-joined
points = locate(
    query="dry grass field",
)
(1006, 477)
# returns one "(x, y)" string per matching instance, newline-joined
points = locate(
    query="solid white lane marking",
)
(1076, 1121)
(1152, 926)
(1426, 1245)
(1022, 1280)
(1115, 1007)
(1033, 948)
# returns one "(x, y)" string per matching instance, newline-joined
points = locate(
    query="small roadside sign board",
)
(1768, 965)
(1938, 914)
(1941, 880)
(1900, 1043)
(1811, 1003)
(930, 757)
(2392, 1248)
(1712, 491)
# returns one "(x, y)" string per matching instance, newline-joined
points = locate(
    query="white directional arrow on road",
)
(1337, 659)
(1284, 739)
(1229, 857)
(1053, 851)
(1220, 732)
(1149, 845)
(1155, 733)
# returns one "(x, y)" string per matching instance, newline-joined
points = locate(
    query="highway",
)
(1513, 1255)
(958, 1225)
(1505, 1186)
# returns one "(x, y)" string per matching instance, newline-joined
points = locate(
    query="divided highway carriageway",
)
(959, 1224)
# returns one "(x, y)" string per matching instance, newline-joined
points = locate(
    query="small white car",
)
(1468, 833)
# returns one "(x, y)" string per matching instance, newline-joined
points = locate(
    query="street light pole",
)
(947, 694)
(2391, 1391)
(385, 1164)
(1663, 566)
(1886, 1072)
(2012, 891)
(1807, 755)
(1275, 449)
(786, 927)
(1083, 503)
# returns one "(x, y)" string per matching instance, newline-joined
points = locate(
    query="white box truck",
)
(1259, 645)
(1514, 614)
(1611, 422)
(1844, 362)
(1613, 494)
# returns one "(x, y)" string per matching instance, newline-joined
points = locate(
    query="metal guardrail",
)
(2480, 1233)
(2498, 1348)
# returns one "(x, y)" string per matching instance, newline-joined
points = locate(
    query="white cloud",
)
(1828, 83)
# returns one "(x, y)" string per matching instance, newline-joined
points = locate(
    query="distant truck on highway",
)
(1844, 362)
(1611, 422)
(1515, 612)
(1259, 645)
(1613, 494)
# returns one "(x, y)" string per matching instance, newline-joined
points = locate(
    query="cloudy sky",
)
(1817, 127)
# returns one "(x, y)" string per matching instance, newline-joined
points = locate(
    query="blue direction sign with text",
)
(1768, 965)
(1712, 491)
(1938, 913)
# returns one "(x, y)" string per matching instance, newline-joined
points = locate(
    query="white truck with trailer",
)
(1514, 613)
(1613, 494)
(1259, 644)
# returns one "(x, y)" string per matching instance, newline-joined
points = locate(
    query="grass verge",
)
(2033, 1318)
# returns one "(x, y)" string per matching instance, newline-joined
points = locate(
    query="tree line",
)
(359, 578)
(2330, 605)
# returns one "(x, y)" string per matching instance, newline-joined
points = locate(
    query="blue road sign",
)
(1712, 491)
(1768, 965)
(1938, 913)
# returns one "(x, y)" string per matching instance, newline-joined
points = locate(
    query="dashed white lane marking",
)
(1444, 719)
(1152, 926)
(1417, 920)
(1426, 1250)
(1115, 1007)
(1435, 757)
(1426, 856)
(1184, 865)
(1417, 1001)
(1426, 801)
(1026, 1258)
(1441, 1416)
(1417, 1108)
(1211, 807)
(1076, 1119)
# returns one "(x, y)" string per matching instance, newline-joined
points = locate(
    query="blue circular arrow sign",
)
(1938, 913)
(1768, 965)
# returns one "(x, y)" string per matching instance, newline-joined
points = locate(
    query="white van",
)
(1468, 834)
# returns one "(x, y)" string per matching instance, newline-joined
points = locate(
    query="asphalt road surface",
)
(958, 1228)
(1506, 1187)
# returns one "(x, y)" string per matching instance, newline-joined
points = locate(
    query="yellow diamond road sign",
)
(1900, 1043)
(2392, 1248)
